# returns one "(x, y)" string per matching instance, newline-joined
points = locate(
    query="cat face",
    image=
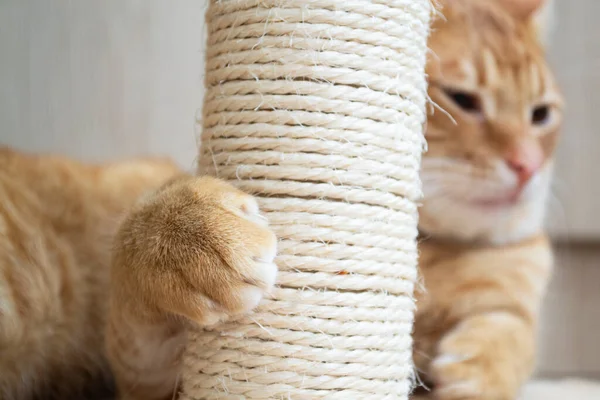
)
(492, 136)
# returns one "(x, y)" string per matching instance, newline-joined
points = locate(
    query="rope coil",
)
(317, 108)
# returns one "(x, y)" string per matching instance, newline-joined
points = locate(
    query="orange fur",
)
(193, 251)
(485, 260)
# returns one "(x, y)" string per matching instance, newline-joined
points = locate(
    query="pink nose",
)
(525, 159)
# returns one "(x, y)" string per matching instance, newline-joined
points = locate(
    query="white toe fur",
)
(448, 359)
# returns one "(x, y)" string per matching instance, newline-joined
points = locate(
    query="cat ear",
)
(523, 8)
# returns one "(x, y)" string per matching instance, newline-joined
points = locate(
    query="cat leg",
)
(485, 357)
(195, 252)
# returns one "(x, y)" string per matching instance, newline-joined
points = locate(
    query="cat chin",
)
(498, 224)
(504, 221)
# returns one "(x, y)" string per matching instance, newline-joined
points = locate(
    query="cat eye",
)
(540, 115)
(466, 101)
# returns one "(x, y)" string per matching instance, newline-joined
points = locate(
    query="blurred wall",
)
(575, 55)
(101, 79)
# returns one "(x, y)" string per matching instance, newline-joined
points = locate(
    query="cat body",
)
(60, 315)
(485, 260)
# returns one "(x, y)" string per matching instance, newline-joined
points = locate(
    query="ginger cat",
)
(193, 250)
(187, 250)
(485, 260)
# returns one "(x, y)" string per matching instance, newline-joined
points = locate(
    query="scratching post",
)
(317, 108)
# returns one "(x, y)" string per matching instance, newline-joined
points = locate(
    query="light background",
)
(108, 79)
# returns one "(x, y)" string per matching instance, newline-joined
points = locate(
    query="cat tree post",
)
(317, 108)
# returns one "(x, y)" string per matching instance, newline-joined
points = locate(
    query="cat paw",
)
(467, 369)
(197, 248)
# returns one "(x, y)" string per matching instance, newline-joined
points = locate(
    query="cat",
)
(185, 250)
(194, 250)
(485, 259)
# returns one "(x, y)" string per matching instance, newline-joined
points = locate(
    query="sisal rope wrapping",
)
(317, 108)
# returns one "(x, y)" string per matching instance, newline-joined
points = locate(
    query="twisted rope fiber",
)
(317, 107)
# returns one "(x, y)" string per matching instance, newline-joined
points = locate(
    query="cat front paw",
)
(459, 376)
(487, 357)
(197, 248)
(468, 376)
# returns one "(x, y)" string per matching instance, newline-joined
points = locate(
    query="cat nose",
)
(525, 160)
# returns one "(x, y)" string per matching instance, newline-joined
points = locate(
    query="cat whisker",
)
(438, 107)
